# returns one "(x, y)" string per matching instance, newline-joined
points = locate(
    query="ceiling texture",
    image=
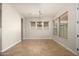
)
(33, 9)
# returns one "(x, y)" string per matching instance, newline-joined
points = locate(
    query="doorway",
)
(21, 29)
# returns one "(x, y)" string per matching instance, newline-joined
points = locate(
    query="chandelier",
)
(39, 14)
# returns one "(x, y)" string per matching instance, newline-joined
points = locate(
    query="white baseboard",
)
(66, 47)
(37, 38)
(11, 46)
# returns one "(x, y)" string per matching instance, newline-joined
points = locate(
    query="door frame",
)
(21, 29)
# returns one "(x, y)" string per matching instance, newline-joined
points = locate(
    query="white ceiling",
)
(32, 9)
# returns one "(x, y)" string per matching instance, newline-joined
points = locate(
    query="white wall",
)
(77, 27)
(0, 40)
(0, 27)
(34, 33)
(69, 43)
(11, 27)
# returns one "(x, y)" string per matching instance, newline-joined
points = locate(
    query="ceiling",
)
(32, 9)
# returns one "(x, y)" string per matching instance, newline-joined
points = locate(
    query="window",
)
(39, 25)
(33, 24)
(63, 25)
(55, 32)
(46, 24)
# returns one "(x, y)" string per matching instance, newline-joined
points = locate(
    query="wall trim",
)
(36, 38)
(66, 47)
(11, 46)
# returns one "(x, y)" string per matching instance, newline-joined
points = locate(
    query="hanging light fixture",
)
(39, 12)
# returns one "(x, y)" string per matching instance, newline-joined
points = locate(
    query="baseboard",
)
(66, 47)
(37, 38)
(11, 46)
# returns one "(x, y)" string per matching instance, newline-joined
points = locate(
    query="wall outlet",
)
(77, 22)
(77, 35)
(77, 49)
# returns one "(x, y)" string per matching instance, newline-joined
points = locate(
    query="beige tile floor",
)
(37, 47)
